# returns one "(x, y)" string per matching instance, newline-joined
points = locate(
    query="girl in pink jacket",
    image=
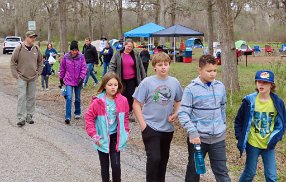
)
(107, 124)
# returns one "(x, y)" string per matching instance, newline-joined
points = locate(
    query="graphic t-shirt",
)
(111, 115)
(158, 97)
(262, 124)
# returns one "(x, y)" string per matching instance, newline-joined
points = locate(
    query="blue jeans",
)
(217, 156)
(268, 158)
(77, 111)
(90, 71)
(105, 66)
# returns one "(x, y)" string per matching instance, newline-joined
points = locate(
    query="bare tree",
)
(210, 5)
(63, 25)
(119, 9)
(51, 8)
(229, 71)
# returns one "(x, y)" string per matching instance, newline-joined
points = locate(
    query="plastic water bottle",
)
(199, 160)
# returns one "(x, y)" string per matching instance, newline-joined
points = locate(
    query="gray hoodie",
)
(202, 111)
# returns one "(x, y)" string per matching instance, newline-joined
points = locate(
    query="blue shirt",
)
(111, 115)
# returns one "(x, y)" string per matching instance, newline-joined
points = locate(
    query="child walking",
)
(259, 125)
(107, 124)
(45, 74)
(202, 114)
(156, 103)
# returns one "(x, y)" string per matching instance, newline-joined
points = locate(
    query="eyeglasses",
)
(32, 37)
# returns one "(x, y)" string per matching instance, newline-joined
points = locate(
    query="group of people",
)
(157, 102)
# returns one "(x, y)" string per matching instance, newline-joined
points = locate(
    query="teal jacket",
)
(97, 124)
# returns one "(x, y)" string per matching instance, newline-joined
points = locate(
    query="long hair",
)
(108, 76)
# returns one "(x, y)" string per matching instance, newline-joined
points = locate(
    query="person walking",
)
(50, 51)
(203, 114)
(107, 53)
(72, 73)
(260, 123)
(130, 70)
(45, 74)
(156, 103)
(108, 125)
(26, 66)
(91, 58)
(145, 58)
(102, 45)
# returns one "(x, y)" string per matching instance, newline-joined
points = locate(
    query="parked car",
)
(10, 43)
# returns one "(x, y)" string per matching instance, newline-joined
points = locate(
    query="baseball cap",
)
(265, 75)
(31, 34)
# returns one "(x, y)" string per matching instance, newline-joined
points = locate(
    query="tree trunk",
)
(229, 65)
(120, 14)
(101, 18)
(210, 27)
(16, 19)
(157, 12)
(75, 20)
(49, 30)
(90, 32)
(63, 25)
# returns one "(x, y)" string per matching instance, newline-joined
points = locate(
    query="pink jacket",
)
(97, 123)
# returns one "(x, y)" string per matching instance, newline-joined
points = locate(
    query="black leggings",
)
(115, 162)
(157, 147)
(129, 88)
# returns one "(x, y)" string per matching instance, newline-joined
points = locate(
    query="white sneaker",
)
(77, 117)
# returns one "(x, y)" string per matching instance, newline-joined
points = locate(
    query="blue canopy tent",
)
(144, 31)
(177, 31)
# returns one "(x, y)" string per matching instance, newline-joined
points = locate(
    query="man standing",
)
(26, 66)
(91, 58)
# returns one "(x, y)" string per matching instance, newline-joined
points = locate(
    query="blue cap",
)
(265, 75)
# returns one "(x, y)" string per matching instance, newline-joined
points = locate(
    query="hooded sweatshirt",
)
(202, 111)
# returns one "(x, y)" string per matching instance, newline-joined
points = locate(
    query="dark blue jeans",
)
(115, 161)
(217, 156)
(90, 71)
(69, 94)
(268, 158)
(105, 66)
(157, 147)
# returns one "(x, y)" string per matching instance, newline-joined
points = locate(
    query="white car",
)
(10, 43)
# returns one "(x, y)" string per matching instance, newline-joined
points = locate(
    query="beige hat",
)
(31, 34)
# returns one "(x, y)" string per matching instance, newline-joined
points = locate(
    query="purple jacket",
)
(72, 69)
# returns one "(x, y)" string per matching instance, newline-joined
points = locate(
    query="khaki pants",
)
(26, 98)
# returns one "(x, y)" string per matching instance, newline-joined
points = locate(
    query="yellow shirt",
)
(262, 123)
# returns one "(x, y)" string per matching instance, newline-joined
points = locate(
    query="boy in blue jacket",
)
(45, 74)
(202, 114)
(259, 125)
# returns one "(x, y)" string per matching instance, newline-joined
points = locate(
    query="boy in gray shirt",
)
(202, 114)
(156, 104)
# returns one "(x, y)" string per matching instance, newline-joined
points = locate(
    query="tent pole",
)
(174, 54)
(148, 43)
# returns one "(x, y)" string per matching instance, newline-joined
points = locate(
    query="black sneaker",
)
(29, 119)
(21, 123)
(67, 121)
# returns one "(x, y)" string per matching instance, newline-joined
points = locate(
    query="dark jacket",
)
(145, 56)
(90, 54)
(116, 65)
(107, 54)
(46, 68)
(245, 116)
